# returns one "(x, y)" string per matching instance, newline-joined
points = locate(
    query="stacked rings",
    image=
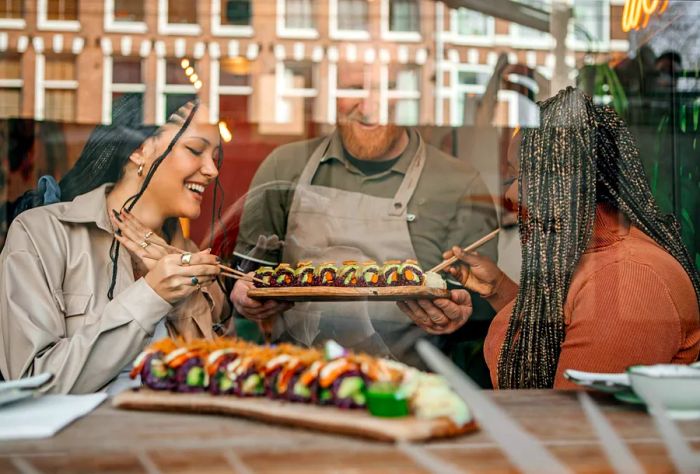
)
(195, 281)
(144, 244)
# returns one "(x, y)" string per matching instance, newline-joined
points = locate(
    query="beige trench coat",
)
(54, 312)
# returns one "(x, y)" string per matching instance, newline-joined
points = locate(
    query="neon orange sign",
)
(636, 13)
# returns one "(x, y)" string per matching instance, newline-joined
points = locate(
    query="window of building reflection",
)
(471, 81)
(469, 23)
(10, 86)
(536, 38)
(403, 94)
(11, 9)
(352, 15)
(235, 89)
(129, 10)
(180, 84)
(299, 14)
(182, 11)
(127, 78)
(236, 12)
(404, 16)
(62, 10)
(60, 87)
(590, 22)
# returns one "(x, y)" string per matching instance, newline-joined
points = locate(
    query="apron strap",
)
(312, 165)
(410, 181)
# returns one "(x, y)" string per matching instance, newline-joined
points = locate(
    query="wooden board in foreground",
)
(325, 293)
(328, 419)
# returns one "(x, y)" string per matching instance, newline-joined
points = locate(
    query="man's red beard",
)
(369, 144)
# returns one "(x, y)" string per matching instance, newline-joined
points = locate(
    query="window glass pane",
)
(10, 102)
(236, 12)
(471, 23)
(11, 8)
(60, 69)
(126, 71)
(526, 32)
(182, 11)
(62, 10)
(478, 78)
(589, 20)
(299, 75)
(405, 78)
(299, 14)
(234, 72)
(176, 74)
(10, 67)
(403, 15)
(405, 112)
(352, 15)
(59, 105)
(129, 10)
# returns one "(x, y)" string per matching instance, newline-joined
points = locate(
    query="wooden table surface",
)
(115, 441)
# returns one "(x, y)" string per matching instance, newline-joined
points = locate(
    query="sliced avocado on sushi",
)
(196, 377)
(159, 369)
(252, 385)
(302, 391)
(386, 400)
(225, 383)
(325, 395)
(350, 386)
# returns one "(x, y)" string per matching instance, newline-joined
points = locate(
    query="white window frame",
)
(393, 94)
(598, 44)
(43, 22)
(162, 89)
(283, 92)
(42, 84)
(110, 87)
(476, 40)
(188, 29)
(294, 33)
(352, 35)
(216, 90)
(218, 29)
(12, 83)
(457, 90)
(113, 25)
(517, 40)
(404, 36)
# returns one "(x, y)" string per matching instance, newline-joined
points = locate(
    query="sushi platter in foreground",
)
(393, 281)
(331, 390)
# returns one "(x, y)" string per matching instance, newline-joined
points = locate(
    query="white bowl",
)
(676, 387)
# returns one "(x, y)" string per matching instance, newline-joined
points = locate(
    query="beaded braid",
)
(580, 155)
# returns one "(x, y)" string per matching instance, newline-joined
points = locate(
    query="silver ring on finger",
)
(148, 234)
(144, 244)
(186, 258)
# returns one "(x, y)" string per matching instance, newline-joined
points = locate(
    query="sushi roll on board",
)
(305, 274)
(349, 274)
(326, 274)
(333, 376)
(284, 276)
(264, 274)
(390, 273)
(370, 274)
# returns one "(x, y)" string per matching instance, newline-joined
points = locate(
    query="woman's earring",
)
(140, 170)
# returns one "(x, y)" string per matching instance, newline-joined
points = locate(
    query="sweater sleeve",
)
(623, 315)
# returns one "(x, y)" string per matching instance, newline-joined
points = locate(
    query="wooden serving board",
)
(325, 293)
(321, 418)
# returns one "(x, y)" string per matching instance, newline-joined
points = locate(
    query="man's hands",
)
(440, 316)
(252, 309)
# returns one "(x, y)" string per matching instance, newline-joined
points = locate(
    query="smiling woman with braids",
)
(72, 303)
(606, 281)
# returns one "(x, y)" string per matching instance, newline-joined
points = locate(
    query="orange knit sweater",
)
(630, 302)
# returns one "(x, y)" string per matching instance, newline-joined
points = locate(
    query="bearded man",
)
(366, 192)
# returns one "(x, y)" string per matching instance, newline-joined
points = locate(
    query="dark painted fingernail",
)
(116, 215)
(126, 210)
(218, 259)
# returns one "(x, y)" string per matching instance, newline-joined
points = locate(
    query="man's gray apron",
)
(327, 224)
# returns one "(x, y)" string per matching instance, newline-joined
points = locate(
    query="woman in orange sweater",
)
(606, 280)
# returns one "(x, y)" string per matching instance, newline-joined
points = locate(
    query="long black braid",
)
(580, 155)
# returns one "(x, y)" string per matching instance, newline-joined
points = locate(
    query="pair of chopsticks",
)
(441, 266)
(226, 271)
